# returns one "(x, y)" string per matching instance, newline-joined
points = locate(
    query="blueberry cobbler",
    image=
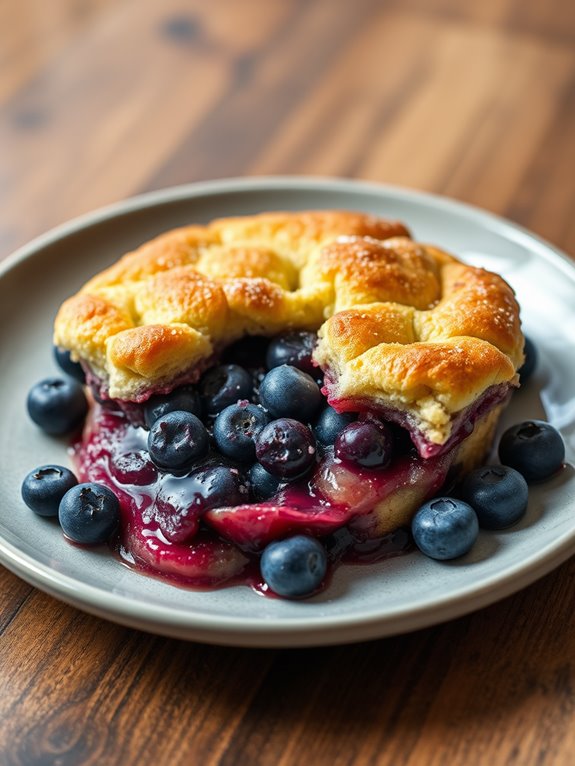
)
(272, 394)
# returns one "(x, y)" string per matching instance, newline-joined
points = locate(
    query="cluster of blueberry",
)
(266, 420)
(491, 497)
(266, 425)
(88, 513)
(245, 432)
(494, 496)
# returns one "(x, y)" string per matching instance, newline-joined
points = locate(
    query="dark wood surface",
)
(101, 99)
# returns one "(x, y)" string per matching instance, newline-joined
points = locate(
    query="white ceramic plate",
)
(362, 602)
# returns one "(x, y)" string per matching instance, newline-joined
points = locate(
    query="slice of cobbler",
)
(406, 339)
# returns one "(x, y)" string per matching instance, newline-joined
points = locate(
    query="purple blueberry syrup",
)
(259, 475)
(169, 530)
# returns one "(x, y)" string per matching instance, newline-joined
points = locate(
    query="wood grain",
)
(100, 100)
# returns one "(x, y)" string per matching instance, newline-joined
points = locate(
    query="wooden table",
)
(101, 99)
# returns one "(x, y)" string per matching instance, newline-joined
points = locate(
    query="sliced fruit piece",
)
(205, 561)
(254, 526)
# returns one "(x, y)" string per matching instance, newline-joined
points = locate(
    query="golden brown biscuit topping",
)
(400, 324)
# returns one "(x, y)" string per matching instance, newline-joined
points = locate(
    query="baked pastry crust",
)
(401, 325)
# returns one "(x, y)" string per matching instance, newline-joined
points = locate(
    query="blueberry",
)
(445, 528)
(65, 363)
(44, 487)
(57, 405)
(225, 385)
(181, 502)
(498, 495)
(133, 468)
(530, 363)
(89, 514)
(294, 567)
(368, 444)
(330, 423)
(534, 448)
(177, 440)
(223, 486)
(236, 428)
(293, 348)
(286, 448)
(262, 483)
(288, 392)
(184, 399)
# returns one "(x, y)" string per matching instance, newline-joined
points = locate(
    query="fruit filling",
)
(251, 477)
(209, 476)
(206, 527)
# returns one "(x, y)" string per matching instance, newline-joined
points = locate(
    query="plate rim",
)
(214, 187)
(306, 630)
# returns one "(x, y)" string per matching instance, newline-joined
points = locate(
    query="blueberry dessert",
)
(276, 393)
